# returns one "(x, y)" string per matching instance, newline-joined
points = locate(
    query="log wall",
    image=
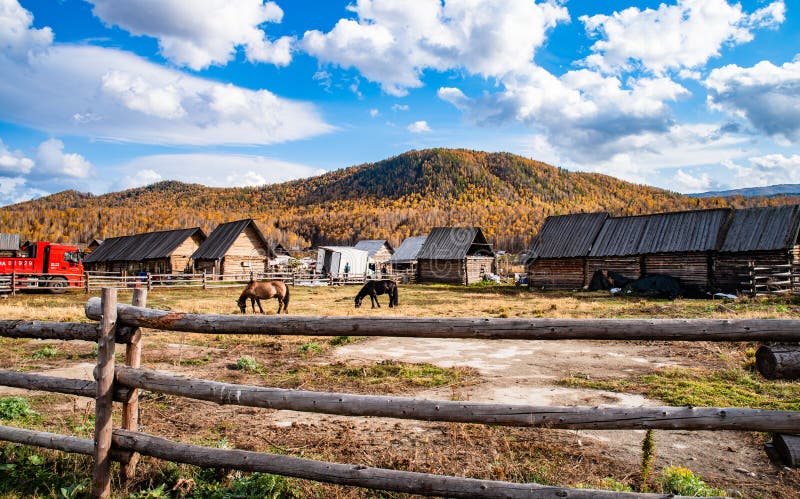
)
(477, 266)
(732, 269)
(557, 273)
(628, 266)
(690, 268)
(442, 271)
(245, 254)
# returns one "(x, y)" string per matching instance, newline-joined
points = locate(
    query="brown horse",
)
(258, 290)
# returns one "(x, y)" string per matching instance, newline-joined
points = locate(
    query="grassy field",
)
(721, 375)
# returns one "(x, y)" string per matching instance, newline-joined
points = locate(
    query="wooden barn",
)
(379, 251)
(455, 255)
(162, 252)
(558, 255)
(234, 248)
(758, 237)
(680, 244)
(405, 258)
(93, 245)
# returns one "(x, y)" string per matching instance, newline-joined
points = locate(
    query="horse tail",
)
(394, 294)
(285, 297)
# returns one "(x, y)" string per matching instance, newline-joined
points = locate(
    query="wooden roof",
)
(408, 250)
(567, 236)
(676, 232)
(223, 237)
(763, 229)
(454, 243)
(373, 246)
(140, 247)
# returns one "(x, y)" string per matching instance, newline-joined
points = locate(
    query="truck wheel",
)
(58, 285)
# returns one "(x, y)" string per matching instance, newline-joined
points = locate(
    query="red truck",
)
(45, 265)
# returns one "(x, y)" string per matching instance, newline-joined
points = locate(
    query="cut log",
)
(474, 327)
(104, 401)
(788, 447)
(130, 409)
(778, 361)
(67, 386)
(48, 330)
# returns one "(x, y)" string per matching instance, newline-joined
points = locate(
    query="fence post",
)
(104, 404)
(149, 281)
(86, 282)
(204, 280)
(130, 409)
(13, 283)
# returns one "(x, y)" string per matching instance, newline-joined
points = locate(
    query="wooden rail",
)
(476, 328)
(121, 383)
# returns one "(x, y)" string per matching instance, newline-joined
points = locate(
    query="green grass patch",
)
(703, 388)
(248, 364)
(15, 409)
(46, 352)
(681, 481)
(33, 472)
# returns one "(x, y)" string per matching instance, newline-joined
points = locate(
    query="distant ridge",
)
(749, 192)
(508, 196)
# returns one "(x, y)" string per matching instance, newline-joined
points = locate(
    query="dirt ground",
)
(520, 372)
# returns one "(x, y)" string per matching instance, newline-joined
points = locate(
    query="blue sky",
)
(102, 95)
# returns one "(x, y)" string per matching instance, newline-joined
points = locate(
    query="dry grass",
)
(546, 456)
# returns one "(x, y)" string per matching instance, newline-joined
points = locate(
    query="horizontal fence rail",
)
(572, 417)
(477, 328)
(49, 330)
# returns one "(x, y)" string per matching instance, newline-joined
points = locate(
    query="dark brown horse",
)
(257, 290)
(375, 288)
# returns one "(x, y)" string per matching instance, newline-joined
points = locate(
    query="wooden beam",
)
(130, 408)
(104, 405)
(572, 417)
(54, 441)
(352, 474)
(48, 330)
(67, 386)
(778, 361)
(479, 328)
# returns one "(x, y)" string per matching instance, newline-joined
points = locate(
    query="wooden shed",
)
(234, 248)
(162, 252)
(93, 245)
(405, 258)
(757, 237)
(455, 255)
(680, 244)
(557, 258)
(379, 251)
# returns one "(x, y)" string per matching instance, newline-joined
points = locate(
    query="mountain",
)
(749, 192)
(507, 195)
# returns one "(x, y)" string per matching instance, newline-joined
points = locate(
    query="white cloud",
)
(687, 182)
(374, 113)
(13, 162)
(51, 160)
(14, 190)
(201, 33)
(419, 127)
(138, 95)
(111, 94)
(673, 37)
(400, 107)
(214, 170)
(17, 38)
(764, 170)
(768, 96)
(392, 42)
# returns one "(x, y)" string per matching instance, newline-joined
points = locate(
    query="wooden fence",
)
(12, 283)
(122, 324)
(772, 279)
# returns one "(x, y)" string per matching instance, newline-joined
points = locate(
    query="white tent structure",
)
(331, 260)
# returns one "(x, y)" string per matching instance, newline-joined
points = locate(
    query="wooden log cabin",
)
(405, 258)
(557, 258)
(455, 255)
(757, 237)
(379, 251)
(234, 248)
(161, 252)
(678, 244)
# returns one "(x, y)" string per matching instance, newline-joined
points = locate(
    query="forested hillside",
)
(507, 195)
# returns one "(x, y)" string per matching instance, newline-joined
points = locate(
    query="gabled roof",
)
(763, 229)
(9, 242)
(408, 250)
(139, 247)
(454, 243)
(221, 239)
(677, 232)
(567, 236)
(372, 246)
